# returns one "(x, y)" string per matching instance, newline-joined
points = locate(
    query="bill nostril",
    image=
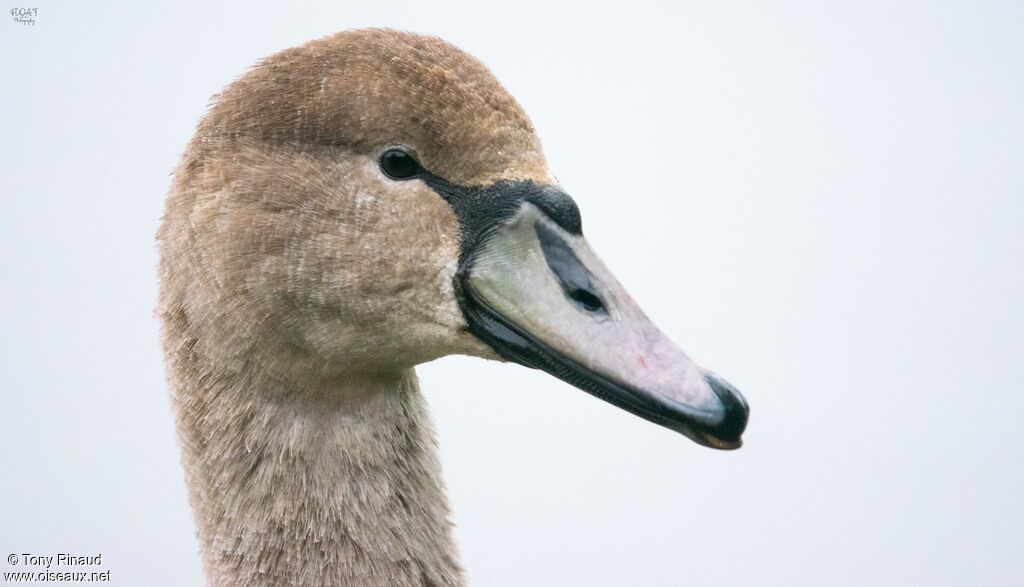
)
(736, 411)
(570, 272)
(588, 300)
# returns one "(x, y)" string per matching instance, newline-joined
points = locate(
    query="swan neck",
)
(335, 485)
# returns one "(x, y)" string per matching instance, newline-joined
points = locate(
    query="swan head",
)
(376, 199)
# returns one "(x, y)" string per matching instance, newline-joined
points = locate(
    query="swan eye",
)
(398, 164)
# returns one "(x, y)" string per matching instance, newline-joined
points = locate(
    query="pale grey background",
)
(820, 201)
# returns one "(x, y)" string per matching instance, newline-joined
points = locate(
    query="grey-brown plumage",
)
(299, 287)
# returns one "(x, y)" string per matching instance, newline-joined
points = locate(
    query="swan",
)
(346, 210)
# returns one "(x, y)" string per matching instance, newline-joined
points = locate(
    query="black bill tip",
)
(728, 431)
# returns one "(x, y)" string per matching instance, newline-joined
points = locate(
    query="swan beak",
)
(540, 297)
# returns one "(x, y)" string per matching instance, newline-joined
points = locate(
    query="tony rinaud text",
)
(60, 560)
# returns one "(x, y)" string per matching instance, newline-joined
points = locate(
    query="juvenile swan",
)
(347, 210)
